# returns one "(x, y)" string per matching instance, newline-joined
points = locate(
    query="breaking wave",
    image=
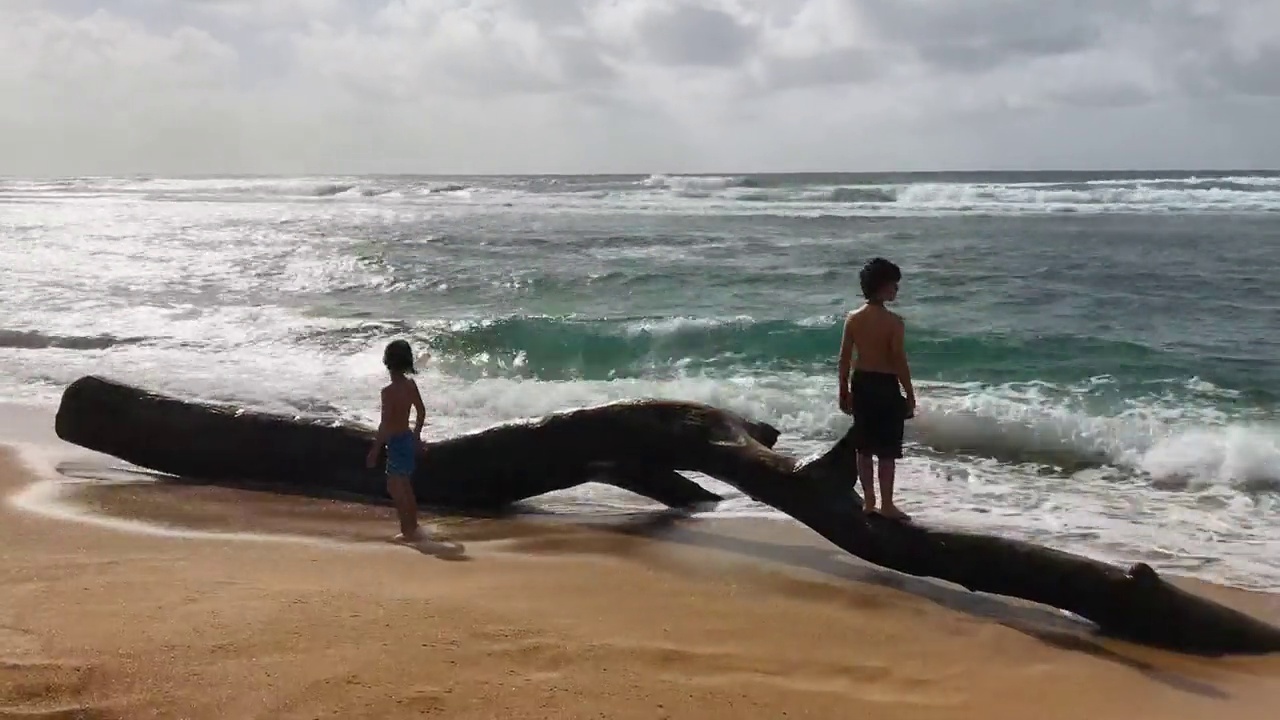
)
(797, 194)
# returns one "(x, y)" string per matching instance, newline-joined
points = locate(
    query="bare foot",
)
(869, 504)
(414, 536)
(893, 513)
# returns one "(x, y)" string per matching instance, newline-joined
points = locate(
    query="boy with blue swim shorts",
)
(398, 399)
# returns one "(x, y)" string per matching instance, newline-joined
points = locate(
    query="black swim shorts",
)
(879, 414)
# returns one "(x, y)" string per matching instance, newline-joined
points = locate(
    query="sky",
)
(635, 86)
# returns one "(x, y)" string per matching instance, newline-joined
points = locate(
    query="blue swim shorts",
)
(401, 454)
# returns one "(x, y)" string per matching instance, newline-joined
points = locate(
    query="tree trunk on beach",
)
(641, 446)
(486, 470)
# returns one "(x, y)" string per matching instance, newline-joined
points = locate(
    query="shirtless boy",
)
(871, 396)
(398, 398)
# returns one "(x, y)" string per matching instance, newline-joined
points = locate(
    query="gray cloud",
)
(640, 85)
(1256, 75)
(696, 35)
(831, 68)
(983, 34)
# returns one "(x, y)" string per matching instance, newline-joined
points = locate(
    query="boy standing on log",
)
(871, 396)
(398, 398)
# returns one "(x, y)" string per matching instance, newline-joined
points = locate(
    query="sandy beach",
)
(304, 610)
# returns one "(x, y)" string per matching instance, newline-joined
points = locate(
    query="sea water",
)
(1097, 356)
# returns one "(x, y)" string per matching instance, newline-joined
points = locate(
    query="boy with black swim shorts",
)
(876, 335)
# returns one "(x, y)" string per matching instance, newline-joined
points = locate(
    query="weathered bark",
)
(643, 444)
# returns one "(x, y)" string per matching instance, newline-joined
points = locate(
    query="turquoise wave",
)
(570, 348)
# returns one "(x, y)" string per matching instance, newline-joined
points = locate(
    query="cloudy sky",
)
(441, 86)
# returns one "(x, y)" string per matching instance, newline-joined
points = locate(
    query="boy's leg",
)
(866, 473)
(401, 491)
(888, 469)
(890, 449)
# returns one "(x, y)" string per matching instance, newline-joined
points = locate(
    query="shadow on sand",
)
(1048, 625)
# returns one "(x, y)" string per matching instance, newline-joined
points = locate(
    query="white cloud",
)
(634, 85)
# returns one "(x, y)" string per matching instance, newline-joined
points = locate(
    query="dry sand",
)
(642, 617)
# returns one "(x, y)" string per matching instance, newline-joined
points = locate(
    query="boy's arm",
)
(422, 411)
(898, 339)
(845, 365)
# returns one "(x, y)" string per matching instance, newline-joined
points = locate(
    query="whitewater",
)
(1097, 355)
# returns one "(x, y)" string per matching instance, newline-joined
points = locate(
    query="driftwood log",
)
(481, 471)
(642, 446)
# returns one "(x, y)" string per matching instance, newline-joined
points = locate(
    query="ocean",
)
(1097, 355)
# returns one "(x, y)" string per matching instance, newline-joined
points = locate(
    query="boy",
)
(871, 396)
(398, 398)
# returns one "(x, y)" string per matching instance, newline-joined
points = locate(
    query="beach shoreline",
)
(642, 616)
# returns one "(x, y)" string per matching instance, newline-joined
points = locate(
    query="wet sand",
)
(533, 616)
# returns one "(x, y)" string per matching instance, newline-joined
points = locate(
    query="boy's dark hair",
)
(877, 273)
(398, 357)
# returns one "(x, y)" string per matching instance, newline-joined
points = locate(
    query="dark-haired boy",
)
(876, 335)
(400, 397)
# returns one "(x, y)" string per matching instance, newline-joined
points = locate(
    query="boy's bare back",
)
(398, 399)
(876, 334)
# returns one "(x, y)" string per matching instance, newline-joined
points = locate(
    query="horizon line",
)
(708, 173)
